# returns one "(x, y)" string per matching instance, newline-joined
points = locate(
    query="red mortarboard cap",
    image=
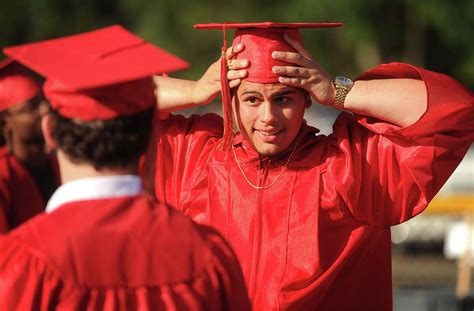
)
(259, 40)
(16, 84)
(97, 75)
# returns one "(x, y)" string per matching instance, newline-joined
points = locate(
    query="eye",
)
(280, 100)
(252, 100)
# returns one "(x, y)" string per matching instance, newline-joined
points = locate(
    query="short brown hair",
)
(111, 143)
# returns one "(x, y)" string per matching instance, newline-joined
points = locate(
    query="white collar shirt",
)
(95, 188)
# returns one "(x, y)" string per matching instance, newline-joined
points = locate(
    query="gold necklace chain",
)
(275, 180)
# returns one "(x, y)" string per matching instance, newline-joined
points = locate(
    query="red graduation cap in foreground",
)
(259, 40)
(16, 84)
(99, 74)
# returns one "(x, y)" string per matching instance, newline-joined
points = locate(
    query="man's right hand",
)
(209, 85)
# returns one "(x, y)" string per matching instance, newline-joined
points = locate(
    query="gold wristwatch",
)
(342, 85)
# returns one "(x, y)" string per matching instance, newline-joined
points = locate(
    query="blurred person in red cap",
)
(28, 173)
(104, 243)
(309, 215)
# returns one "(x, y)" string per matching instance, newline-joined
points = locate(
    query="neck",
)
(72, 171)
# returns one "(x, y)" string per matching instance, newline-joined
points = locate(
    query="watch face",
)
(346, 82)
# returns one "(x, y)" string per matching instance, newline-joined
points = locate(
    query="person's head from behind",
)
(268, 114)
(21, 108)
(105, 127)
(103, 144)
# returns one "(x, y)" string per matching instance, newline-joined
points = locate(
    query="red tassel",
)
(228, 137)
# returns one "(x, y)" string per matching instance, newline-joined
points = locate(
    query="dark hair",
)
(114, 143)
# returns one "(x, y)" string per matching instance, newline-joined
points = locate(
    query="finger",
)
(292, 71)
(233, 50)
(234, 83)
(296, 82)
(291, 57)
(297, 45)
(236, 64)
(236, 74)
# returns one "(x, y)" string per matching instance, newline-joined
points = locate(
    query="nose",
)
(269, 114)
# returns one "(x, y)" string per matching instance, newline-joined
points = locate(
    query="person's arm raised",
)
(398, 101)
(177, 94)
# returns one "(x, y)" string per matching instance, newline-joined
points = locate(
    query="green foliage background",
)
(435, 34)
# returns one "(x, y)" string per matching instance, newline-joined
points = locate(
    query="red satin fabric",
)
(20, 198)
(101, 57)
(101, 103)
(320, 237)
(126, 253)
(259, 45)
(16, 85)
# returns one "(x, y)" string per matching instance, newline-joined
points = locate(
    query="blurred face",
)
(22, 131)
(269, 115)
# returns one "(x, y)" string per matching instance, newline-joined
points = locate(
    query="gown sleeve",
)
(386, 174)
(184, 146)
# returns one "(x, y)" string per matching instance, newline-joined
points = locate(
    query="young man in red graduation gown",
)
(104, 244)
(28, 174)
(309, 215)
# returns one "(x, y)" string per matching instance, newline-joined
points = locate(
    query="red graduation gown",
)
(125, 253)
(320, 237)
(20, 198)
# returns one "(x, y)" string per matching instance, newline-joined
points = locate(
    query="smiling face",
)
(269, 115)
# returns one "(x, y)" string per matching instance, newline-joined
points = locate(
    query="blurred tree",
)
(436, 34)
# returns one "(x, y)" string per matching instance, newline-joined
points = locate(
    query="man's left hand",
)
(307, 74)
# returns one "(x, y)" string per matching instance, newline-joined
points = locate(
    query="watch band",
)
(342, 85)
(340, 96)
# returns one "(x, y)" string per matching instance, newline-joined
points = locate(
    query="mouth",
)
(268, 135)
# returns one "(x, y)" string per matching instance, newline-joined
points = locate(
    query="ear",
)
(47, 127)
